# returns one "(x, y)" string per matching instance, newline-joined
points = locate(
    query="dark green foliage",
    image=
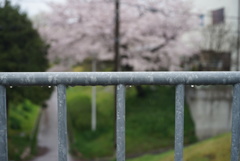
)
(150, 121)
(22, 120)
(21, 50)
(153, 118)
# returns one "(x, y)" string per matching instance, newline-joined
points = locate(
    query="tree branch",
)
(160, 46)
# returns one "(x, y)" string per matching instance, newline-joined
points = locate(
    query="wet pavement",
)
(48, 132)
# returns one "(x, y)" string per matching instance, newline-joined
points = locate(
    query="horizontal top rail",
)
(114, 78)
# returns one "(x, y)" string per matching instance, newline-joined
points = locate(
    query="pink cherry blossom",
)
(150, 32)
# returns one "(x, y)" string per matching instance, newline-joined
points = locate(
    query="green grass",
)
(214, 149)
(149, 121)
(21, 122)
(79, 119)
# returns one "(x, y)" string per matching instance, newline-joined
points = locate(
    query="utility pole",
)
(117, 60)
(238, 36)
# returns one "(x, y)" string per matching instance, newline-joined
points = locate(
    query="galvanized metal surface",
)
(115, 78)
(121, 79)
(179, 122)
(235, 123)
(3, 125)
(120, 123)
(62, 123)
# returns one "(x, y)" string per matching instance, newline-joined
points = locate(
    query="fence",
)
(121, 79)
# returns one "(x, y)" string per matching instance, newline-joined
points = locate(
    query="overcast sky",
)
(33, 7)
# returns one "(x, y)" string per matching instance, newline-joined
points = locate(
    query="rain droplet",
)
(192, 86)
(11, 86)
(49, 86)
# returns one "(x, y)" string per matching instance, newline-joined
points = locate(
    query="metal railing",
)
(121, 79)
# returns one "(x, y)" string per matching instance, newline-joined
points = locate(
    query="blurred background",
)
(119, 35)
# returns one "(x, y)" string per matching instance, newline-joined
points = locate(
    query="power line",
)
(209, 15)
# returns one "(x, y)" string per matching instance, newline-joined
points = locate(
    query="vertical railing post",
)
(94, 109)
(3, 125)
(120, 123)
(235, 123)
(62, 123)
(179, 122)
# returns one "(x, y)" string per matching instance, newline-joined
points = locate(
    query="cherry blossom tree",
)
(150, 33)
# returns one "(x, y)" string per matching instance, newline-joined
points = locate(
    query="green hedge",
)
(21, 123)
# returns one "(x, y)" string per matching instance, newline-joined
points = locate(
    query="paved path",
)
(48, 134)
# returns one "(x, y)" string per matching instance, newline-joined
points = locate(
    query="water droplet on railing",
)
(11, 86)
(49, 86)
(192, 86)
